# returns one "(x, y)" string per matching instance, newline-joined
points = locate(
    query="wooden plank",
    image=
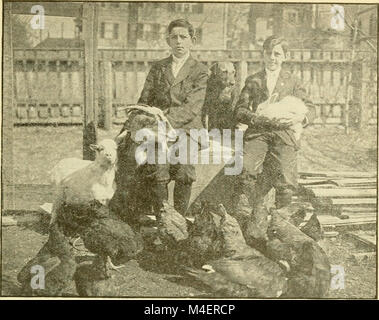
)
(357, 201)
(331, 220)
(350, 209)
(355, 182)
(324, 186)
(334, 206)
(338, 174)
(363, 238)
(359, 214)
(8, 221)
(7, 181)
(344, 193)
(307, 182)
(90, 77)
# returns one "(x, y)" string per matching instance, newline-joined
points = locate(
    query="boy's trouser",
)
(139, 189)
(184, 174)
(268, 162)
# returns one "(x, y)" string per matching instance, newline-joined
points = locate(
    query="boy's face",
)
(273, 59)
(180, 41)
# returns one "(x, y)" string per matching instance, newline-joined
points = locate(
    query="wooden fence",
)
(49, 83)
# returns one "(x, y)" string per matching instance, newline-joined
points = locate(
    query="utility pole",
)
(350, 75)
(225, 36)
(90, 79)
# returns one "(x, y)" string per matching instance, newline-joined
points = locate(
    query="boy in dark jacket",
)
(270, 155)
(177, 86)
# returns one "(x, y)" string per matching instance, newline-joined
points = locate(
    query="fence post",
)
(90, 77)
(108, 93)
(349, 77)
(7, 181)
(364, 102)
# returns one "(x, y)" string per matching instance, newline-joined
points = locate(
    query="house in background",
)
(291, 21)
(313, 26)
(335, 21)
(131, 25)
(144, 25)
(56, 27)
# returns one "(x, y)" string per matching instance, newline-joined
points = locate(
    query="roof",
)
(55, 43)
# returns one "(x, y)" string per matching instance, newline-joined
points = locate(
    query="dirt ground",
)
(152, 277)
(322, 149)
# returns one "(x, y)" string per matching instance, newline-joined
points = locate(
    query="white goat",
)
(80, 181)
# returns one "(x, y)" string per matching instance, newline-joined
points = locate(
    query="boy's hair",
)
(272, 41)
(181, 23)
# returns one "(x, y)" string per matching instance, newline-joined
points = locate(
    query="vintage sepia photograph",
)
(189, 150)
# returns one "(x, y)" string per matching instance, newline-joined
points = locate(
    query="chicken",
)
(239, 269)
(111, 239)
(313, 228)
(309, 273)
(255, 227)
(298, 217)
(172, 226)
(58, 262)
(248, 277)
(204, 240)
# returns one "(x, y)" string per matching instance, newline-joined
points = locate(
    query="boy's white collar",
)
(276, 72)
(182, 59)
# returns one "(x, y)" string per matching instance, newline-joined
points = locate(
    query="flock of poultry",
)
(217, 248)
(214, 249)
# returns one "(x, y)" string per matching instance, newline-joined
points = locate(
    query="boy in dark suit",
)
(177, 86)
(270, 156)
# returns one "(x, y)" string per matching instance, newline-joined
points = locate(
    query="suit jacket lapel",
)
(280, 83)
(184, 71)
(168, 71)
(264, 84)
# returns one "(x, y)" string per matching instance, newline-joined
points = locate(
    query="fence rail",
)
(49, 83)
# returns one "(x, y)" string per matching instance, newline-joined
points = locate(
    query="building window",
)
(148, 31)
(270, 23)
(187, 7)
(109, 30)
(140, 31)
(291, 16)
(198, 8)
(171, 7)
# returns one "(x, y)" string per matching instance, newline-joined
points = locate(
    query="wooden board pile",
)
(341, 199)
